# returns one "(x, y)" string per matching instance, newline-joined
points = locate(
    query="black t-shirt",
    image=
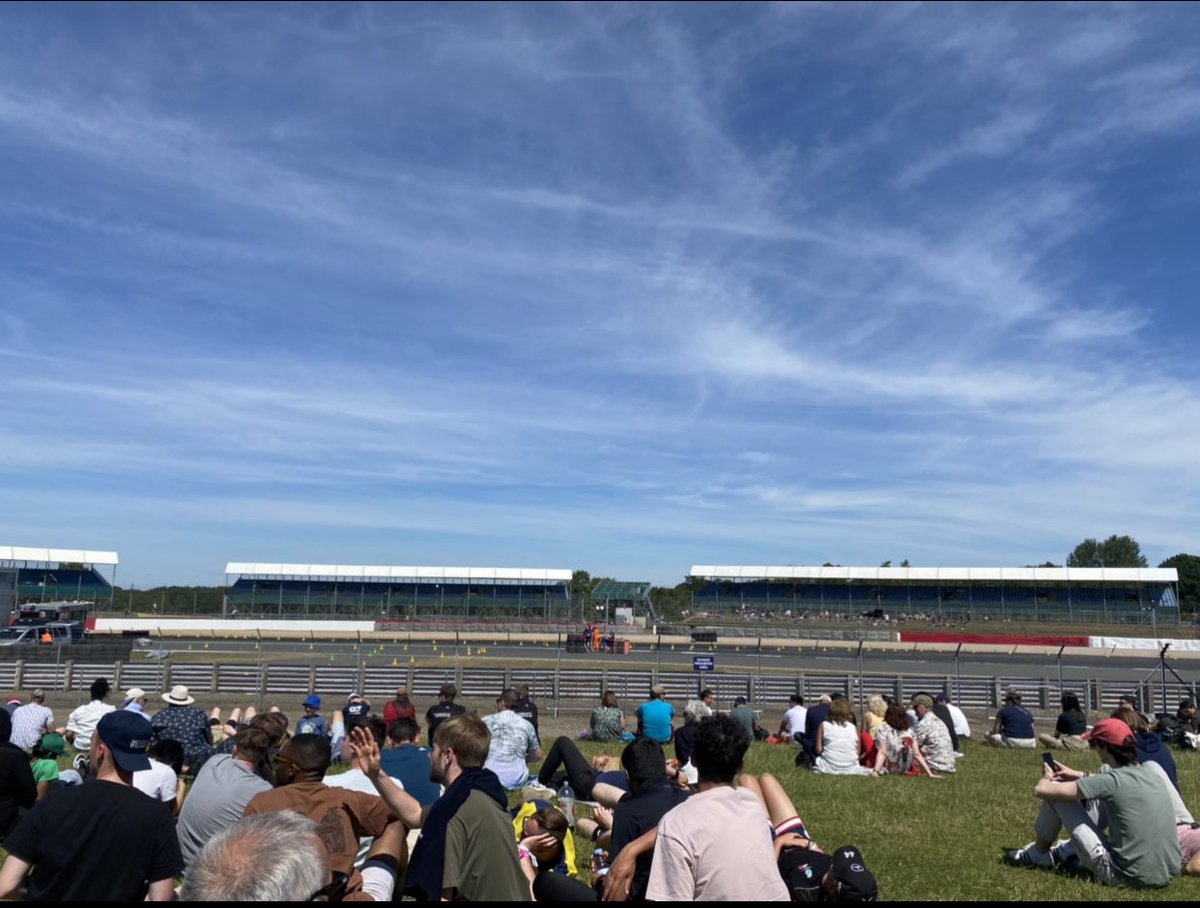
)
(17, 787)
(439, 713)
(802, 870)
(527, 710)
(100, 841)
(685, 741)
(1071, 722)
(636, 814)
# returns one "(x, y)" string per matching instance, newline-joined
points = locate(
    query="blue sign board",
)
(704, 663)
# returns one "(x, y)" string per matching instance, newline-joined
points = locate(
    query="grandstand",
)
(34, 575)
(397, 593)
(1096, 595)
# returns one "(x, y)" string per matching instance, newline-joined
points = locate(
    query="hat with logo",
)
(127, 735)
(855, 883)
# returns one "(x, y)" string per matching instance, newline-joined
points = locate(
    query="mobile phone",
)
(1048, 759)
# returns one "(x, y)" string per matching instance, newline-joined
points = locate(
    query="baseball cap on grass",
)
(855, 883)
(127, 735)
(1110, 731)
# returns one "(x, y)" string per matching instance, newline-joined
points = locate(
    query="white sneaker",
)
(1029, 856)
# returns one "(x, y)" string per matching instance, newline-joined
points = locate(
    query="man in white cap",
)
(122, 844)
(184, 723)
(135, 701)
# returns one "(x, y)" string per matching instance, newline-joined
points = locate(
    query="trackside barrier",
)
(578, 688)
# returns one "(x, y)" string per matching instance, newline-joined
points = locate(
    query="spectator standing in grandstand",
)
(1142, 844)
(275, 857)
(18, 789)
(716, 845)
(466, 849)
(514, 743)
(31, 720)
(221, 791)
(791, 729)
(1068, 728)
(312, 722)
(932, 736)
(342, 815)
(959, 719)
(399, 707)
(103, 841)
(82, 721)
(444, 709)
(1014, 724)
(526, 708)
(655, 716)
(607, 722)
(135, 701)
(408, 762)
(185, 723)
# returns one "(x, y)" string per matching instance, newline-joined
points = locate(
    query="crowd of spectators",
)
(268, 815)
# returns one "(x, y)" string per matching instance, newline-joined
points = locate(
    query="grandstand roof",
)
(957, 574)
(56, 556)
(382, 572)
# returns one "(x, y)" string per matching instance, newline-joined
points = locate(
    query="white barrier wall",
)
(244, 626)
(1149, 643)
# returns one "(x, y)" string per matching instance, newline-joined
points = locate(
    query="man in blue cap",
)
(103, 841)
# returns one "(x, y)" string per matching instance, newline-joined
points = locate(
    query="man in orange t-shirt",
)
(342, 817)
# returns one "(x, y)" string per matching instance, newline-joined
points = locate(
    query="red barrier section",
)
(998, 639)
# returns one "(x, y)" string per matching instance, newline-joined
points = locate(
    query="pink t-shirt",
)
(716, 847)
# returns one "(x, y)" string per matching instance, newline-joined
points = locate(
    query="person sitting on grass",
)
(873, 718)
(544, 841)
(607, 722)
(655, 716)
(685, 735)
(564, 763)
(838, 746)
(810, 874)
(1121, 822)
(1148, 745)
(932, 736)
(896, 751)
(44, 761)
(1068, 728)
(1014, 724)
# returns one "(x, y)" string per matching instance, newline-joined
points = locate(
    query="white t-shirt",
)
(716, 847)
(794, 718)
(82, 722)
(159, 781)
(961, 728)
(839, 755)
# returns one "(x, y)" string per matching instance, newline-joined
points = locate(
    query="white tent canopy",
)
(57, 556)
(936, 574)
(369, 572)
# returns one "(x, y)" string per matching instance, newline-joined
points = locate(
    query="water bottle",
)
(566, 802)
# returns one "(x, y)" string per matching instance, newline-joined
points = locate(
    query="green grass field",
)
(942, 839)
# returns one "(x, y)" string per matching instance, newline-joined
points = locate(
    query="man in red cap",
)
(1121, 820)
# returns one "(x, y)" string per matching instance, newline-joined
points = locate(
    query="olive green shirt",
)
(481, 854)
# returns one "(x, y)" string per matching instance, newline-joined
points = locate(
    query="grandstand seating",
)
(46, 584)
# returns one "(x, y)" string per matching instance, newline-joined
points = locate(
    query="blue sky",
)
(622, 288)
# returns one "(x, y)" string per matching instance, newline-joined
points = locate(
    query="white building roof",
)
(376, 572)
(937, 574)
(56, 556)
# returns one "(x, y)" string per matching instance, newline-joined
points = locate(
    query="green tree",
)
(1188, 567)
(1115, 551)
